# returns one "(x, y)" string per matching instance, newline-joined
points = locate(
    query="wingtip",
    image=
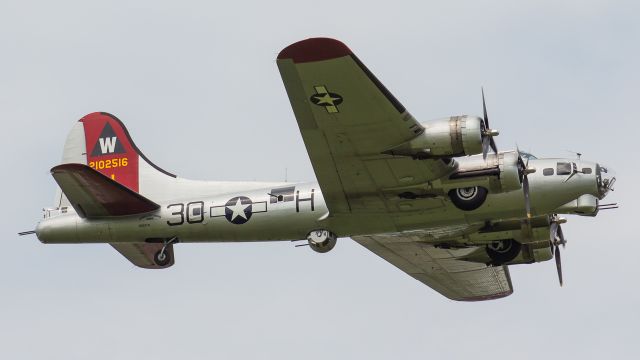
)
(314, 49)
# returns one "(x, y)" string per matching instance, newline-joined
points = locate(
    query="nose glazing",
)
(605, 177)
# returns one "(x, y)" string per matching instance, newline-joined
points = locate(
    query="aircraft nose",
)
(605, 176)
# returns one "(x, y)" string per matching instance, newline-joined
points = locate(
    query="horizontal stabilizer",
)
(143, 254)
(94, 195)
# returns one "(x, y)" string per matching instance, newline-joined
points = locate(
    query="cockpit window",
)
(547, 171)
(586, 170)
(564, 168)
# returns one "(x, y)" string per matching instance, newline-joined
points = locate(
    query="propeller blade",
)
(493, 145)
(553, 231)
(561, 237)
(487, 133)
(527, 200)
(484, 110)
(485, 146)
(559, 264)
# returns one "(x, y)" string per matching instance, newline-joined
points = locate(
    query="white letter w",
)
(108, 145)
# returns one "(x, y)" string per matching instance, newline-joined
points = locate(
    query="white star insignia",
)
(238, 210)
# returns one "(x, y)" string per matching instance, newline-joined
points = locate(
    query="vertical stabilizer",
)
(101, 141)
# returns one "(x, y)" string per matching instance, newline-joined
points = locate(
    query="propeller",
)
(557, 239)
(487, 132)
(524, 170)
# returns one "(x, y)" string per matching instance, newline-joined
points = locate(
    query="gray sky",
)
(197, 86)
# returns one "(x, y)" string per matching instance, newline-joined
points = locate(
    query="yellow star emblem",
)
(326, 99)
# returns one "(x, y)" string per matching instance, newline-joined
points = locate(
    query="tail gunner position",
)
(436, 199)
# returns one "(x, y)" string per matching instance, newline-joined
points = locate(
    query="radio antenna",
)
(575, 152)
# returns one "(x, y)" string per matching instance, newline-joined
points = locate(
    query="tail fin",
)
(101, 141)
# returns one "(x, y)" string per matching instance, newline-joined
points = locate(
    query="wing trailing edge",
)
(94, 195)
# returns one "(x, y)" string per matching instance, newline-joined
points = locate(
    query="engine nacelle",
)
(498, 173)
(454, 136)
(512, 252)
(322, 241)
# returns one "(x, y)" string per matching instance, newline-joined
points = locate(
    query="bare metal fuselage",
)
(261, 215)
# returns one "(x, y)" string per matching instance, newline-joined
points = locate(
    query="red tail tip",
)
(314, 49)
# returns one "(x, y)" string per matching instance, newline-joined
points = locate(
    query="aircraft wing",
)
(348, 119)
(141, 254)
(441, 269)
(94, 195)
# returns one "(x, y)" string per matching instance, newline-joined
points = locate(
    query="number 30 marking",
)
(194, 213)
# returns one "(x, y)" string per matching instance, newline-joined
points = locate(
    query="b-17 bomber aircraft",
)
(436, 199)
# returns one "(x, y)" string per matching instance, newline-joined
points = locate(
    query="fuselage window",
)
(564, 168)
(586, 170)
(547, 171)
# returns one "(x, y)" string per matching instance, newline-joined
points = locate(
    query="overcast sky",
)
(197, 86)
